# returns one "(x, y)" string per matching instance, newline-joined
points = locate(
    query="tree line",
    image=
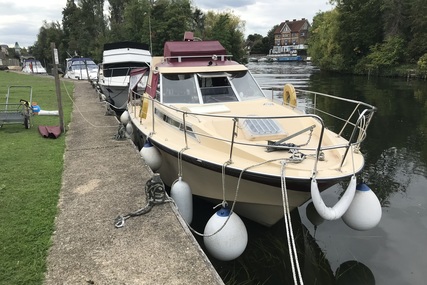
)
(85, 27)
(365, 36)
(356, 36)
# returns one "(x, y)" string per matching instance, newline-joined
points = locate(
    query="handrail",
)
(213, 57)
(365, 115)
(359, 126)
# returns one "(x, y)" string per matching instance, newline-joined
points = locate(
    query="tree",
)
(387, 54)
(135, 27)
(85, 29)
(117, 8)
(323, 46)
(198, 23)
(169, 20)
(48, 33)
(92, 28)
(359, 27)
(258, 44)
(70, 26)
(418, 19)
(228, 29)
(395, 18)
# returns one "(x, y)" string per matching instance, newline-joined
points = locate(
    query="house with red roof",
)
(290, 38)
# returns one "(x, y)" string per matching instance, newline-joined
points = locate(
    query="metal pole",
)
(149, 27)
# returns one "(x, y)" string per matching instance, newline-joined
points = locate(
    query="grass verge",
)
(30, 180)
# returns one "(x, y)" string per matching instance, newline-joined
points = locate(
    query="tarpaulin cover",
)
(51, 132)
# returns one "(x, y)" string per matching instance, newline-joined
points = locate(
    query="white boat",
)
(214, 127)
(33, 66)
(81, 68)
(113, 76)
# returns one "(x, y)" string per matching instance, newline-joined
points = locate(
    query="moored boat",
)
(113, 77)
(33, 66)
(81, 68)
(214, 126)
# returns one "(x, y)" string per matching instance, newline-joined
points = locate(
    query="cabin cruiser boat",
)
(215, 128)
(33, 66)
(113, 77)
(81, 68)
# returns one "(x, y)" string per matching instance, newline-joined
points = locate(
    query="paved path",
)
(102, 179)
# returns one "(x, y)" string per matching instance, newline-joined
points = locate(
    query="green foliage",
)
(228, 29)
(85, 30)
(258, 44)
(422, 63)
(418, 29)
(323, 45)
(48, 33)
(387, 54)
(362, 36)
(359, 27)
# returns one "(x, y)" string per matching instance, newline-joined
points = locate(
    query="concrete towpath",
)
(102, 179)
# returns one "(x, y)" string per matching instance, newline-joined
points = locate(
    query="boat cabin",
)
(200, 72)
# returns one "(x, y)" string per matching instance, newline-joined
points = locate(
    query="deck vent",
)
(262, 129)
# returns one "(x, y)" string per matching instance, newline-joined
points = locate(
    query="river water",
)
(396, 155)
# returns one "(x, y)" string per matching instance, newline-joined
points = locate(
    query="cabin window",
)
(121, 69)
(179, 88)
(215, 87)
(245, 86)
(174, 123)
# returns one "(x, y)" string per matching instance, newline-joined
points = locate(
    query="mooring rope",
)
(293, 254)
(224, 202)
(78, 110)
(155, 195)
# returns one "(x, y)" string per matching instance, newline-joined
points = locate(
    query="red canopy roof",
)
(193, 48)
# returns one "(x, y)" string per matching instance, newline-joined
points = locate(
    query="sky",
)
(20, 20)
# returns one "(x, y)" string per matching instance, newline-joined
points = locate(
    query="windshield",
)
(204, 88)
(246, 86)
(76, 65)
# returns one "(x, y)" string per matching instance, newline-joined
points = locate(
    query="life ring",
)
(289, 95)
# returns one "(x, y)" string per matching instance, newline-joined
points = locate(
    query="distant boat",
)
(289, 58)
(81, 68)
(33, 66)
(113, 77)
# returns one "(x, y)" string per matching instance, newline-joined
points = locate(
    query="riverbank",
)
(104, 178)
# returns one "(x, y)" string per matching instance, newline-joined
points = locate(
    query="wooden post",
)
(87, 71)
(55, 61)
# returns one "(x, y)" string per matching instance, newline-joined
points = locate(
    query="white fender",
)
(151, 156)
(340, 207)
(365, 210)
(124, 118)
(231, 241)
(129, 129)
(181, 194)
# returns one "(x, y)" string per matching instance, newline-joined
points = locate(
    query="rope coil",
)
(155, 195)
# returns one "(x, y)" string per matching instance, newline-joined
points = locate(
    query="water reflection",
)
(272, 74)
